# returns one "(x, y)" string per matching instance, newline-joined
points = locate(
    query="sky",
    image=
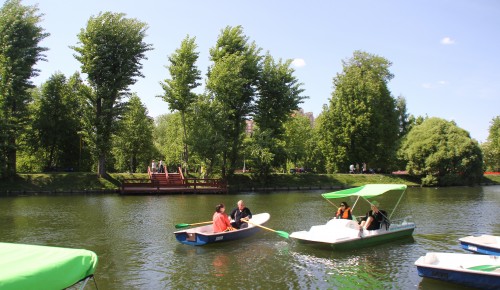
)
(444, 54)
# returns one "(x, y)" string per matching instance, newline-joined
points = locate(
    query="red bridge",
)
(172, 183)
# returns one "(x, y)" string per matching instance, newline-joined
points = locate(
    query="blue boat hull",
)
(200, 239)
(468, 279)
(480, 249)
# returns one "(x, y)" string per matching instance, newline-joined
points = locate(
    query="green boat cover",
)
(366, 191)
(40, 267)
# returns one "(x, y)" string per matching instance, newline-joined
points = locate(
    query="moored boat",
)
(478, 271)
(41, 267)
(203, 235)
(483, 244)
(342, 234)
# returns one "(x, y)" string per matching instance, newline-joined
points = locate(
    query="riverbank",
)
(82, 182)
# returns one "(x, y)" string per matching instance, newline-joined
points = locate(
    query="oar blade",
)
(283, 234)
(180, 226)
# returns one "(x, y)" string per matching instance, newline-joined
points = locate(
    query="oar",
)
(280, 233)
(178, 226)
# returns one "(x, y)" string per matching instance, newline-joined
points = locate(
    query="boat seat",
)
(431, 259)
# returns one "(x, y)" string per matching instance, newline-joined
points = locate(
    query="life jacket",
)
(343, 214)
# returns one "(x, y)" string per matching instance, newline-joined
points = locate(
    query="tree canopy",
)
(442, 153)
(19, 52)
(491, 147)
(110, 51)
(361, 123)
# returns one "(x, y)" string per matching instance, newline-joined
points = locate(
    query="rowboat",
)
(478, 271)
(342, 234)
(40, 267)
(484, 244)
(203, 235)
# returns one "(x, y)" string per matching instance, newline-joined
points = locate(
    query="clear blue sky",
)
(445, 54)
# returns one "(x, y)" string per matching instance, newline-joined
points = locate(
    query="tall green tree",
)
(361, 123)
(110, 50)
(133, 145)
(232, 81)
(184, 78)
(491, 147)
(298, 131)
(168, 138)
(441, 153)
(56, 124)
(20, 35)
(279, 94)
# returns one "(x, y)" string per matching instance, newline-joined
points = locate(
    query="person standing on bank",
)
(239, 213)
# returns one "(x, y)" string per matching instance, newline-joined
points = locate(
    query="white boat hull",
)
(478, 271)
(484, 244)
(345, 234)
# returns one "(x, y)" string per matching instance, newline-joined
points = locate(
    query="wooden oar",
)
(280, 233)
(178, 226)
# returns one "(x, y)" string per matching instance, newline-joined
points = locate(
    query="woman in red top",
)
(220, 219)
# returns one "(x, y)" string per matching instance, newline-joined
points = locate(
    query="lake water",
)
(133, 237)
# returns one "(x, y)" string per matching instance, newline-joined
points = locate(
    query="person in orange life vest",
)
(344, 211)
(220, 219)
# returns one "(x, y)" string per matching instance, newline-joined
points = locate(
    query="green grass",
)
(80, 181)
(495, 179)
(65, 181)
(245, 181)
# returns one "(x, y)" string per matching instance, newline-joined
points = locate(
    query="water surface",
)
(133, 237)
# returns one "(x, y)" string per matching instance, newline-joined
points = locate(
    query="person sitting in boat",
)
(344, 211)
(374, 218)
(220, 220)
(240, 213)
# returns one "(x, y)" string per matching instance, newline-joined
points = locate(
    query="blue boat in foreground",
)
(478, 271)
(203, 235)
(484, 244)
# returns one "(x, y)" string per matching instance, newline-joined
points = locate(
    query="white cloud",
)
(434, 85)
(299, 62)
(447, 41)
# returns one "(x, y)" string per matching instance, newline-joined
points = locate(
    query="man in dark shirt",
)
(373, 218)
(241, 212)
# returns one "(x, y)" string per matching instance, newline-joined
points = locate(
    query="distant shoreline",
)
(87, 183)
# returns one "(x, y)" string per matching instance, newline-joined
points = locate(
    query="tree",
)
(361, 123)
(232, 80)
(19, 52)
(110, 51)
(168, 138)
(56, 124)
(279, 94)
(491, 147)
(133, 145)
(442, 153)
(184, 78)
(298, 131)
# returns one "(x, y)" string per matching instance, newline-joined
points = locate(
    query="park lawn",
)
(81, 181)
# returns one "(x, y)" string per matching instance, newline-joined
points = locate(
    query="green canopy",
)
(40, 267)
(366, 191)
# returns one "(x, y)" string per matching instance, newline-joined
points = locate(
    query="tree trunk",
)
(184, 141)
(11, 157)
(101, 166)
